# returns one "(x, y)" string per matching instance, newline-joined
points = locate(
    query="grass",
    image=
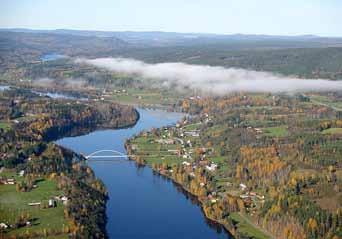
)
(158, 153)
(246, 228)
(260, 123)
(13, 204)
(325, 100)
(194, 126)
(5, 126)
(218, 159)
(280, 131)
(145, 97)
(332, 131)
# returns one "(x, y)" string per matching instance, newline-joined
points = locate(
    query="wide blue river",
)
(141, 204)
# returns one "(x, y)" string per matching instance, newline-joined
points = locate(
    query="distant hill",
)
(304, 56)
(25, 47)
(155, 38)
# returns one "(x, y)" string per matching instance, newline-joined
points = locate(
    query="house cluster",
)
(187, 150)
(210, 166)
(250, 198)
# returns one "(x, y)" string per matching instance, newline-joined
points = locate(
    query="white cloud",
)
(212, 79)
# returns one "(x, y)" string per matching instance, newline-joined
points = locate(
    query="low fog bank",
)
(212, 79)
(69, 83)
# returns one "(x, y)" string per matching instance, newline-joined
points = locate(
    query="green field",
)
(332, 131)
(154, 152)
(145, 97)
(5, 126)
(280, 131)
(13, 204)
(246, 228)
(326, 101)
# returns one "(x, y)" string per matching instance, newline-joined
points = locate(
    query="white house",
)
(243, 186)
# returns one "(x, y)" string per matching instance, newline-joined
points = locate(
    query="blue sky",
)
(282, 17)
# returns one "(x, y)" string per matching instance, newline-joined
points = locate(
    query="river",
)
(142, 204)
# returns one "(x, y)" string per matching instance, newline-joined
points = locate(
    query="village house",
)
(258, 130)
(3, 225)
(213, 201)
(242, 186)
(229, 184)
(64, 199)
(52, 203)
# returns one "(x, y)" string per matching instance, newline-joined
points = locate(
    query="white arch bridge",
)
(110, 155)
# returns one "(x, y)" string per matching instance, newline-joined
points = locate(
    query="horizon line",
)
(163, 31)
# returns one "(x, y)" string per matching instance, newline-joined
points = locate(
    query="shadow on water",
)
(194, 201)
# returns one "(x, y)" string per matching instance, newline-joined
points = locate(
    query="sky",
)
(283, 17)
